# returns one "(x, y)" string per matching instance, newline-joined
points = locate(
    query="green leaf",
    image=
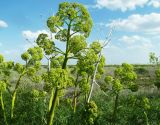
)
(1, 58)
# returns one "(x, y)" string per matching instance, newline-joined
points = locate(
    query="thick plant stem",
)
(49, 65)
(54, 101)
(75, 101)
(13, 102)
(52, 110)
(52, 91)
(58, 101)
(51, 98)
(66, 55)
(14, 96)
(114, 117)
(67, 47)
(146, 118)
(75, 95)
(3, 109)
(65, 62)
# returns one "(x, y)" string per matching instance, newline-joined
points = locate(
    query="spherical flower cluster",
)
(19, 68)
(90, 114)
(2, 86)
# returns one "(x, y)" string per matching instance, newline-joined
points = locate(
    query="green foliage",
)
(117, 86)
(25, 56)
(145, 103)
(86, 63)
(126, 74)
(5, 69)
(32, 104)
(47, 44)
(133, 87)
(108, 83)
(19, 68)
(57, 62)
(157, 72)
(36, 54)
(108, 80)
(31, 71)
(70, 14)
(70, 20)
(37, 65)
(77, 43)
(1, 58)
(153, 58)
(23, 101)
(130, 110)
(90, 113)
(2, 86)
(86, 67)
(84, 85)
(30, 107)
(101, 65)
(9, 65)
(36, 79)
(58, 78)
(96, 46)
(141, 70)
(125, 78)
(157, 80)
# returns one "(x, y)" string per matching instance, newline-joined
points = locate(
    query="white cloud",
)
(148, 24)
(122, 5)
(3, 24)
(8, 52)
(12, 54)
(135, 54)
(133, 49)
(130, 40)
(33, 35)
(28, 45)
(136, 42)
(154, 3)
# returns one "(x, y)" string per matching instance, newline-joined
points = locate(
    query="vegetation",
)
(83, 94)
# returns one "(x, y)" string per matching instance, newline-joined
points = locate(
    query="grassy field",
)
(29, 108)
(145, 78)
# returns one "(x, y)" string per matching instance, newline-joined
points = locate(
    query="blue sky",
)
(137, 25)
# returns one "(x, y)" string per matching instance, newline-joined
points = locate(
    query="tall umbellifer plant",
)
(89, 68)
(3, 85)
(71, 24)
(2, 89)
(5, 71)
(85, 70)
(32, 60)
(124, 79)
(140, 107)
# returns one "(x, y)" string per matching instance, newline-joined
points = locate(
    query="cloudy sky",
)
(137, 26)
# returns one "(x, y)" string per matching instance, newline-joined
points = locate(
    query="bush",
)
(141, 70)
